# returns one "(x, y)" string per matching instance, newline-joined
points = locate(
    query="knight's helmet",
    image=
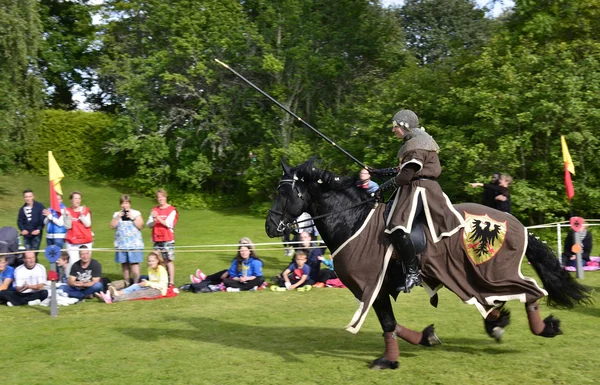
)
(406, 119)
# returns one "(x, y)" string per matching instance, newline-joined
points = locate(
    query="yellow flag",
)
(566, 156)
(54, 173)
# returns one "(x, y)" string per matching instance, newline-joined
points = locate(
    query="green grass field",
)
(265, 337)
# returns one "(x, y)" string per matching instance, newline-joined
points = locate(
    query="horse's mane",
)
(329, 181)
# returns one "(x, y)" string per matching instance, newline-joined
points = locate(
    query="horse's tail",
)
(563, 290)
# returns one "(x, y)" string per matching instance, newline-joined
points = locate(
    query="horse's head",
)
(290, 202)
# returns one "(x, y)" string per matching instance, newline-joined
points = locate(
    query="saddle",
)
(417, 234)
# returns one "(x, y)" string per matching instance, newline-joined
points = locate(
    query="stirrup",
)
(412, 280)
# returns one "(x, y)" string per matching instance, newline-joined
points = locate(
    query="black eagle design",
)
(483, 237)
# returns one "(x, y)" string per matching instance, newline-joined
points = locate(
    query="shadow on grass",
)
(587, 310)
(289, 342)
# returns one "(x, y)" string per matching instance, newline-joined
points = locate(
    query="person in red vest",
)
(78, 222)
(163, 219)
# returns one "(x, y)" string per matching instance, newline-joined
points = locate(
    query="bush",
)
(77, 140)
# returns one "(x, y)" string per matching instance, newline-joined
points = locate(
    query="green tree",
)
(66, 52)
(20, 85)
(439, 29)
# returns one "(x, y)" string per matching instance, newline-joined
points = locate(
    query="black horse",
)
(351, 225)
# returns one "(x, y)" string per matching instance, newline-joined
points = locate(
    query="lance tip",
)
(221, 63)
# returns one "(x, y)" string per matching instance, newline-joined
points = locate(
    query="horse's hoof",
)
(552, 328)
(496, 328)
(381, 363)
(429, 338)
(497, 333)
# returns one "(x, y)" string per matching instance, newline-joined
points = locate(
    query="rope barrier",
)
(197, 249)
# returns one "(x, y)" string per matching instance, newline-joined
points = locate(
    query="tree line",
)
(496, 93)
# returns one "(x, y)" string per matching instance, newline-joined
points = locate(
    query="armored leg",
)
(406, 251)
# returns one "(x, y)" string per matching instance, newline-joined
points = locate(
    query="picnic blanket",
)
(592, 265)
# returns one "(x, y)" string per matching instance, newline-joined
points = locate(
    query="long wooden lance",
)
(291, 113)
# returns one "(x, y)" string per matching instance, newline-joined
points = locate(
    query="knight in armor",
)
(418, 196)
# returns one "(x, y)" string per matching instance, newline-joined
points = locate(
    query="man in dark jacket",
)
(31, 221)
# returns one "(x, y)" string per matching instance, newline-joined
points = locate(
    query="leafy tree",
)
(20, 85)
(439, 29)
(66, 52)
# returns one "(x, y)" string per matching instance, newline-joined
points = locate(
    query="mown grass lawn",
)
(265, 337)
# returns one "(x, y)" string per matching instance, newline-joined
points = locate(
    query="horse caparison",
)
(365, 262)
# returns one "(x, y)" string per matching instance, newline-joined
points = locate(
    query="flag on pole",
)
(569, 168)
(55, 175)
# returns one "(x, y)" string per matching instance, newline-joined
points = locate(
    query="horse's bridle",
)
(281, 226)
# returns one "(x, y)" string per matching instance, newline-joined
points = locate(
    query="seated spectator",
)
(128, 224)
(55, 224)
(155, 286)
(328, 273)
(29, 284)
(569, 257)
(366, 183)
(7, 275)
(84, 277)
(296, 276)
(61, 267)
(245, 272)
(202, 283)
(313, 253)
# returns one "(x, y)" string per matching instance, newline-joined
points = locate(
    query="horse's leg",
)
(496, 322)
(427, 337)
(385, 314)
(549, 327)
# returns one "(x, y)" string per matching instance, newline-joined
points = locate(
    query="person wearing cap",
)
(418, 195)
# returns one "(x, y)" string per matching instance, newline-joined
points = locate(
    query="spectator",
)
(61, 267)
(7, 275)
(306, 224)
(9, 243)
(287, 238)
(31, 221)
(489, 194)
(55, 224)
(163, 219)
(28, 283)
(327, 273)
(155, 286)
(569, 257)
(84, 277)
(502, 197)
(202, 283)
(78, 222)
(245, 272)
(366, 183)
(313, 253)
(128, 239)
(296, 276)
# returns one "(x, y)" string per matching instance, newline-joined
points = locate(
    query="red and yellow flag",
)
(569, 168)
(55, 175)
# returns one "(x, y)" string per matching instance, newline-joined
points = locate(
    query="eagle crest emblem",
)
(483, 237)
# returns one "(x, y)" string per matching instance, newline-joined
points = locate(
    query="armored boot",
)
(406, 252)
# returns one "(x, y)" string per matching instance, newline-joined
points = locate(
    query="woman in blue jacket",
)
(245, 272)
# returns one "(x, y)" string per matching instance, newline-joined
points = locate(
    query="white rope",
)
(194, 249)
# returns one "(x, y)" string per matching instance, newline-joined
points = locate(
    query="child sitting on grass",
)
(296, 275)
(155, 286)
(61, 265)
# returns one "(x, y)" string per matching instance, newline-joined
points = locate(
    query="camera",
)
(124, 216)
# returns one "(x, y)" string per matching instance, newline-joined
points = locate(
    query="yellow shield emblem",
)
(483, 237)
